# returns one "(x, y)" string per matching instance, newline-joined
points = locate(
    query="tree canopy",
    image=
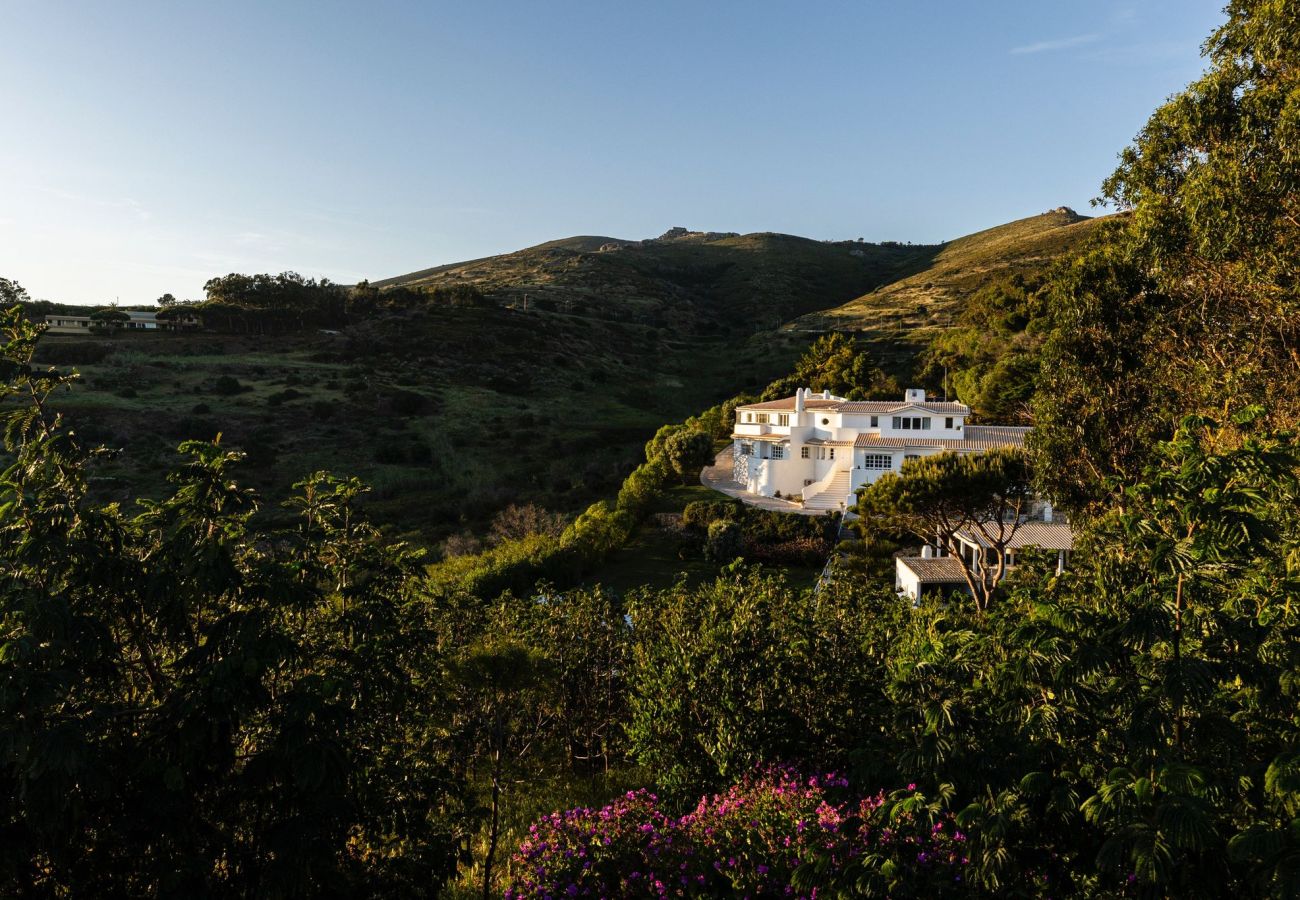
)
(935, 498)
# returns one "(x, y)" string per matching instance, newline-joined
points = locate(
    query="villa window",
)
(875, 421)
(746, 448)
(911, 456)
(783, 419)
(762, 418)
(832, 455)
(803, 452)
(947, 423)
(911, 423)
(877, 461)
(749, 417)
(778, 452)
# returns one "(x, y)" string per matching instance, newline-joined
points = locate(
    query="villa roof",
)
(839, 404)
(787, 403)
(977, 437)
(1047, 535)
(891, 406)
(935, 570)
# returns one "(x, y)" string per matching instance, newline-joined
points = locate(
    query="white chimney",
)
(798, 403)
(914, 395)
(927, 552)
(1047, 512)
(826, 395)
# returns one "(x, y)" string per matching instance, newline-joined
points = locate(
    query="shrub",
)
(322, 410)
(724, 542)
(399, 450)
(406, 403)
(702, 513)
(200, 409)
(227, 386)
(284, 396)
(77, 353)
(774, 834)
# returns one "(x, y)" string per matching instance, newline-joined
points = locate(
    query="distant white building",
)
(820, 449)
(137, 320)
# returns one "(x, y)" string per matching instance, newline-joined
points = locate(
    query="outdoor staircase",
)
(832, 494)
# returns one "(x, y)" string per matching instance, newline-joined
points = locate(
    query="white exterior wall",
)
(766, 476)
(905, 581)
(860, 423)
(793, 473)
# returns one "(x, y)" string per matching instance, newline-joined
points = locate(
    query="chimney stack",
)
(914, 395)
(798, 402)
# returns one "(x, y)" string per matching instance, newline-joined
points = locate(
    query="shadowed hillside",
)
(705, 282)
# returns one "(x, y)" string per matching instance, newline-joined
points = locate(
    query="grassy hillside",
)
(908, 311)
(699, 282)
(452, 413)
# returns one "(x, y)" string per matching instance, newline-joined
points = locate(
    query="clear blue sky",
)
(151, 145)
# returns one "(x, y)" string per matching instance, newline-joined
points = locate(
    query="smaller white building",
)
(935, 571)
(820, 449)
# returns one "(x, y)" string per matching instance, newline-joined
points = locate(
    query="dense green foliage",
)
(1190, 303)
(837, 364)
(189, 710)
(935, 497)
(191, 706)
(989, 359)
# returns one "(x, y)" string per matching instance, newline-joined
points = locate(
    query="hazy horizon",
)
(155, 147)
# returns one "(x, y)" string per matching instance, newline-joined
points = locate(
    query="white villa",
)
(820, 449)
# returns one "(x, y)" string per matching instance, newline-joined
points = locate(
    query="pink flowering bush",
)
(776, 834)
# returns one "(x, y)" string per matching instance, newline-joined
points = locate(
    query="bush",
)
(78, 353)
(643, 487)
(280, 397)
(775, 834)
(724, 543)
(227, 386)
(399, 450)
(200, 409)
(702, 513)
(322, 410)
(407, 403)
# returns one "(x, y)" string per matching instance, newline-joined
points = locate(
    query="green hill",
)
(911, 309)
(544, 394)
(700, 281)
